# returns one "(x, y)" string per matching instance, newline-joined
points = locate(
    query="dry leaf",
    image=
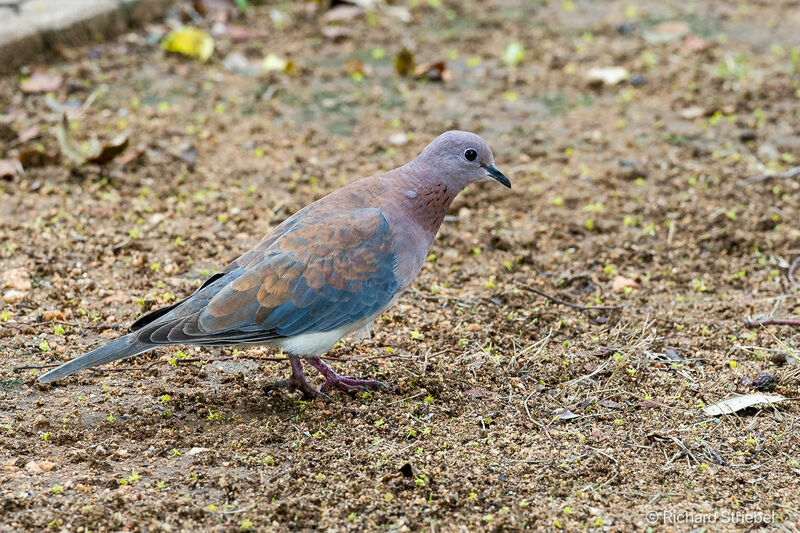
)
(564, 414)
(274, 63)
(436, 71)
(96, 153)
(189, 41)
(109, 151)
(737, 403)
(41, 82)
(404, 62)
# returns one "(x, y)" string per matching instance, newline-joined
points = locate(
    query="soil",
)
(504, 410)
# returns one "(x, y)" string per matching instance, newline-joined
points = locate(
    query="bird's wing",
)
(324, 272)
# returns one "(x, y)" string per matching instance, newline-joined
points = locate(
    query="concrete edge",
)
(32, 43)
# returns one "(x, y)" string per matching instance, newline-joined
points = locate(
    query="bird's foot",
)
(345, 383)
(297, 381)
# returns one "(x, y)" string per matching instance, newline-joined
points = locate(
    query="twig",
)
(34, 367)
(570, 304)
(790, 272)
(757, 323)
(770, 175)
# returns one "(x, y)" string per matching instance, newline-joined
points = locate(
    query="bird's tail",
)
(122, 348)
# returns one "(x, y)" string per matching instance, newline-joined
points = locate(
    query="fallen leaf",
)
(69, 146)
(109, 151)
(41, 82)
(274, 63)
(404, 62)
(436, 71)
(189, 41)
(737, 403)
(621, 283)
(9, 168)
(564, 414)
(95, 152)
(131, 155)
(606, 75)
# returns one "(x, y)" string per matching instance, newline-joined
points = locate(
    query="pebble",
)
(13, 296)
(16, 278)
(764, 382)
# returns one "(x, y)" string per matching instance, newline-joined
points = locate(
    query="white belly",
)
(311, 344)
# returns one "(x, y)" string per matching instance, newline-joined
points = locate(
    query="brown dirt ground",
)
(637, 180)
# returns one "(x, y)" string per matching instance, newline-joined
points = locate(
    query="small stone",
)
(606, 75)
(764, 382)
(398, 139)
(16, 278)
(621, 283)
(13, 296)
(638, 80)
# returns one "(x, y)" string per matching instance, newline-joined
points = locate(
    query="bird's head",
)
(461, 158)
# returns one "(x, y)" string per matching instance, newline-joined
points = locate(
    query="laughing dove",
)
(327, 271)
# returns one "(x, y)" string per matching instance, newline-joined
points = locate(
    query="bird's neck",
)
(424, 199)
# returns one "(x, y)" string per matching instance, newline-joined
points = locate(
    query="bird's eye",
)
(470, 154)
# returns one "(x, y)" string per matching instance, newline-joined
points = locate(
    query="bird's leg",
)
(297, 381)
(346, 383)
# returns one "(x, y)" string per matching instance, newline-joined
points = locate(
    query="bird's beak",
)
(494, 173)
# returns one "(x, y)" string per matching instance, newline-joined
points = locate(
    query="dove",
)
(326, 272)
